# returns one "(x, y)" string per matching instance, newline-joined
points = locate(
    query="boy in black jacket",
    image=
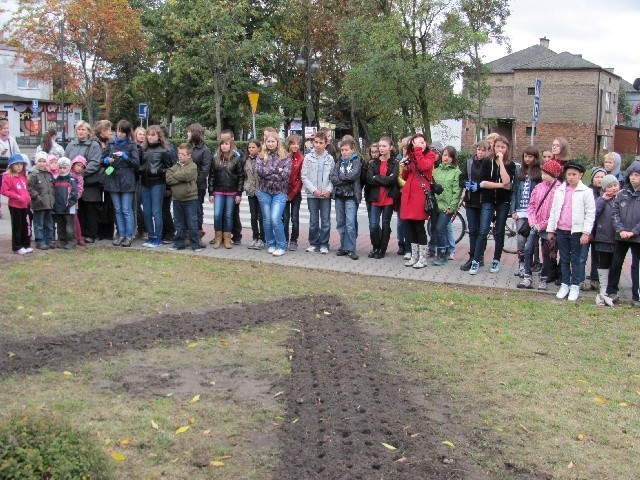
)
(64, 206)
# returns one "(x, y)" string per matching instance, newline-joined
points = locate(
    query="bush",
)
(37, 448)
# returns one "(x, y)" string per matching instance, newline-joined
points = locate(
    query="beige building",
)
(578, 101)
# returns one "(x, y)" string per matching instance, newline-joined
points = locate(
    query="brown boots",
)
(217, 240)
(227, 240)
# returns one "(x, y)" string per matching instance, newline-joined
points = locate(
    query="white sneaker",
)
(312, 249)
(146, 244)
(271, 249)
(29, 249)
(253, 245)
(495, 266)
(563, 292)
(22, 251)
(407, 256)
(259, 245)
(574, 293)
(324, 250)
(278, 252)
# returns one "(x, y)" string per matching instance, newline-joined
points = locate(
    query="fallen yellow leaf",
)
(46, 314)
(448, 443)
(623, 404)
(195, 399)
(182, 429)
(68, 374)
(326, 313)
(193, 345)
(524, 428)
(600, 400)
(278, 394)
(125, 442)
(192, 420)
(389, 447)
(580, 437)
(11, 354)
(216, 463)
(570, 465)
(118, 457)
(154, 425)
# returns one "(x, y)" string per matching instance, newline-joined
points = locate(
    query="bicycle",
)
(460, 230)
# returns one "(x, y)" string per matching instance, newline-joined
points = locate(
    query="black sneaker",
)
(341, 253)
(466, 265)
(353, 256)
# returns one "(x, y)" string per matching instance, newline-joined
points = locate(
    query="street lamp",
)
(312, 65)
(82, 32)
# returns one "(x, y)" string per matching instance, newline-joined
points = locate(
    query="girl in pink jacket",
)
(14, 186)
(538, 214)
(78, 164)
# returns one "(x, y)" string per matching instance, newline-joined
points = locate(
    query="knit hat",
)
(553, 168)
(41, 155)
(16, 158)
(64, 162)
(79, 159)
(596, 170)
(575, 166)
(437, 146)
(608, 180)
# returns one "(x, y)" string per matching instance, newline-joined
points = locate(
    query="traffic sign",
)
(253, 101)
(538, 87)
(143, 110)
(34, 106)
(536, 109)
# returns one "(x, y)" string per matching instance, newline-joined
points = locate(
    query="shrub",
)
(33, 447)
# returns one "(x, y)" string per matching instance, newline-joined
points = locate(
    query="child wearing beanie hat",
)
(64, 207)
(41, 187)
(571, 222)
(592, 281)
(605, 235)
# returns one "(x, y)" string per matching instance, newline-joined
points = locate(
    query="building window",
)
(531, 91)
(27, 83)
(605, 140)
(529, 130)
(607, 102)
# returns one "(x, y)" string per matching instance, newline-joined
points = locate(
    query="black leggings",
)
(417, 233)
(604, 259)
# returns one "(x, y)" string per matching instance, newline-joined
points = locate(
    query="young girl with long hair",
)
(226, 182)
(273, 169)
(8, 146)
(154, 164)
(497, 177)
(417, 171)
(294, 192)
(120, 182)
(49, 145)
(382, 178)
(525, 181)
(250, 186)
(447, 175)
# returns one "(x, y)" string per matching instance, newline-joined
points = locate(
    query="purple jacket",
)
(273, 175)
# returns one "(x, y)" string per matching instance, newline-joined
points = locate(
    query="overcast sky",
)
(604, 32)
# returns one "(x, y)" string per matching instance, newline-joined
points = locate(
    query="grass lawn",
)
(535, 383)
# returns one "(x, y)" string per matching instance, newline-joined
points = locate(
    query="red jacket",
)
(15, 188)
(295, 178)
(413, 197)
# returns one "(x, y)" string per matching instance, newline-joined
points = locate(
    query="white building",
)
(17, 94)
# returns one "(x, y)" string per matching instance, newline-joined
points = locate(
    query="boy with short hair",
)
(41, 189)
(626, 222)
(182, 178)
(345, 178)
(64, 206)
(316, 173)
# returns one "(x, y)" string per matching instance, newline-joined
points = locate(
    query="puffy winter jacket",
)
(448, 176)
(14, 187)
(626, 213)
(182, 178)
(123, 178)
(66, 195)
(604, 229)
(40, 185)
(583, 209)
(345, 177)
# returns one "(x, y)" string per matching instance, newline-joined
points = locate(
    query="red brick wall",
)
(627, 141)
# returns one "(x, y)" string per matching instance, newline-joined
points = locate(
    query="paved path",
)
(391, 266)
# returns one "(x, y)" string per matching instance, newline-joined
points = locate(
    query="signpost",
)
(253, 101)
(34, 110)
(536, 108)
(143, 113)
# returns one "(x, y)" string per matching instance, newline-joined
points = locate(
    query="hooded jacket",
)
(123, 178)
(41, 189)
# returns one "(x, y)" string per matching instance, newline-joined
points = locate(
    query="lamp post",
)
(311, 65)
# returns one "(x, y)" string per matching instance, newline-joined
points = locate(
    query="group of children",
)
(556, 214)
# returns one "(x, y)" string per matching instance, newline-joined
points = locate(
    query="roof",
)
(538, 57)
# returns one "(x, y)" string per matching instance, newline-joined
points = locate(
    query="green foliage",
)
(34, 447)
(623, 106)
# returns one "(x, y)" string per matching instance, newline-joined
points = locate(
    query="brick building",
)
(578, 101)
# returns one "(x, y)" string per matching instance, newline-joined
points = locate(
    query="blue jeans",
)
(292, 212)
(374, 217)
(272, 206)
(185, 217)
(570, 250)
(451, 241)
(346, 215)
(402, 234)
(223, 212)
(473, 224)
(486, 215)
(319, 221)
(442, 232)
(123, 206)
(152, 198)
(43, 227)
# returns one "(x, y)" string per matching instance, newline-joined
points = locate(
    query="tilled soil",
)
(343, 400)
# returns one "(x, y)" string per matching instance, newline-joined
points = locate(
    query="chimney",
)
(544, 42)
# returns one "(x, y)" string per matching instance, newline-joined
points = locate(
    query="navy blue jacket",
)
(123, 178)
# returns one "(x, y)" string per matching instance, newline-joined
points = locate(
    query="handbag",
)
(525, 229)
(430, 200)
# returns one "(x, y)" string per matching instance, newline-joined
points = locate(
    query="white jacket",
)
(310, 178)
(583, 208)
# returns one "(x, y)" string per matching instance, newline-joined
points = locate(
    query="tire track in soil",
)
(342, 404)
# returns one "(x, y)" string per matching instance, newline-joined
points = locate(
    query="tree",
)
(95, 36)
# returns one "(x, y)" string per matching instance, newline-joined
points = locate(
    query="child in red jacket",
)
(14, 186)
(294, 192)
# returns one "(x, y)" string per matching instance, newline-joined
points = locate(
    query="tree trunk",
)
(218, 98)
(354, 125)
(424, 114)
